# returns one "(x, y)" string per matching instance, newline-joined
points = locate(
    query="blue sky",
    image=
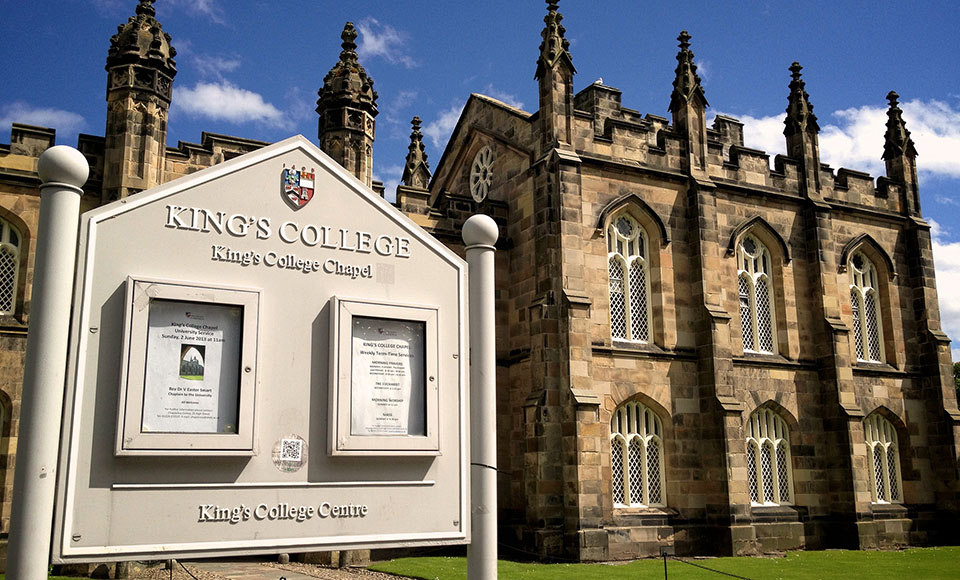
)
(252, 68)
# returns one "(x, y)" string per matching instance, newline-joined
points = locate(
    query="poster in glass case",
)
(388, 376)
(192, 374)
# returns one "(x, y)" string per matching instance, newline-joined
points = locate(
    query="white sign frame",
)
(229, 227)
(342, 440)
(131, 439)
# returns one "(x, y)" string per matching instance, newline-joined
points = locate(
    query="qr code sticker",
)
(291, 450)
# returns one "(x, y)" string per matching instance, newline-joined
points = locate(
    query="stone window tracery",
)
(481, 174)
(636, 457)
(768, 459)
(865, 308)
(883, 456)
(629, 277)
(755, 290)
(10, 241)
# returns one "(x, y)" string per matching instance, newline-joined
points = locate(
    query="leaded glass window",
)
(629, 274)
(755, 288)
(636, 457)
(9, 266)
(768, 459)
(884, 459)
(865, 309)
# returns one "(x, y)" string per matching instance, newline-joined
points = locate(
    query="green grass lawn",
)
(913, 564)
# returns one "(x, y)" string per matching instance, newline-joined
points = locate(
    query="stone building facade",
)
(694, 350)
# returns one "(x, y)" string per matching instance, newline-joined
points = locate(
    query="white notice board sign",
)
(215, 404)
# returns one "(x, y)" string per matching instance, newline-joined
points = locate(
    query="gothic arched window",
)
(629, 274)
(757, 312)
(10, 241)
(865, 305)
(768, 459)
(636, 457)
(884, 459)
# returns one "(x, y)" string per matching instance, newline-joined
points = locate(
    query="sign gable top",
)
(249, 161)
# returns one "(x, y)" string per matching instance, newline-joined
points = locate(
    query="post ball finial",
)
(63, 164)
(480, 230)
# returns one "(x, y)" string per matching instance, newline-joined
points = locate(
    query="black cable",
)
(184, 569)
(709, 569)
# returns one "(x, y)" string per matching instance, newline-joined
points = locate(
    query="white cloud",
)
(299, 104)
(215, 66)
(935, 127)
(854, 138)
(763, 133)
(395, 117)
(108, 6)
(439, 130)
(384, 41)
(704, 68)
(65, 122)
(390, 176)
(207, 8)
(227, 102)
(946, 258)
(857, 142)
(404, 99)
(507, 98)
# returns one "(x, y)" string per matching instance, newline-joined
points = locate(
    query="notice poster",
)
(192, 378)
(388, 377)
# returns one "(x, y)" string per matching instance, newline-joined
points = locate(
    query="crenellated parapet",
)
(605, 129)
(187, 158)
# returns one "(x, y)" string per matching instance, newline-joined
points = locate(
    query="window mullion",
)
(645, 491)
(885, 468)
(775, 468)
(753, 313)
(625, 465)
(864, 328)
(627, 299)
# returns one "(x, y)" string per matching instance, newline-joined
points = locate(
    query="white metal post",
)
(63, 171)
(480, 234)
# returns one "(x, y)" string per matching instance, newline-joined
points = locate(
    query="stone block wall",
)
(618, 160)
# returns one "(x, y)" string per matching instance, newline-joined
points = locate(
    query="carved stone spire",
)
(140, 71)
(347, 106)
(554, 45)
(801, 130)
(142, 41)
(800, 117)
(900, 156)
(416, 170)
(688, 106)
(686, 86)
(347, 82)
(897, 139)
(555, 83)
(146, 7)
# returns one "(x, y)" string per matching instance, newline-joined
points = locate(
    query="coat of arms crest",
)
(297, 186)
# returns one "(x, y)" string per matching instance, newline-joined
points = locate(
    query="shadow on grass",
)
(916, 564)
